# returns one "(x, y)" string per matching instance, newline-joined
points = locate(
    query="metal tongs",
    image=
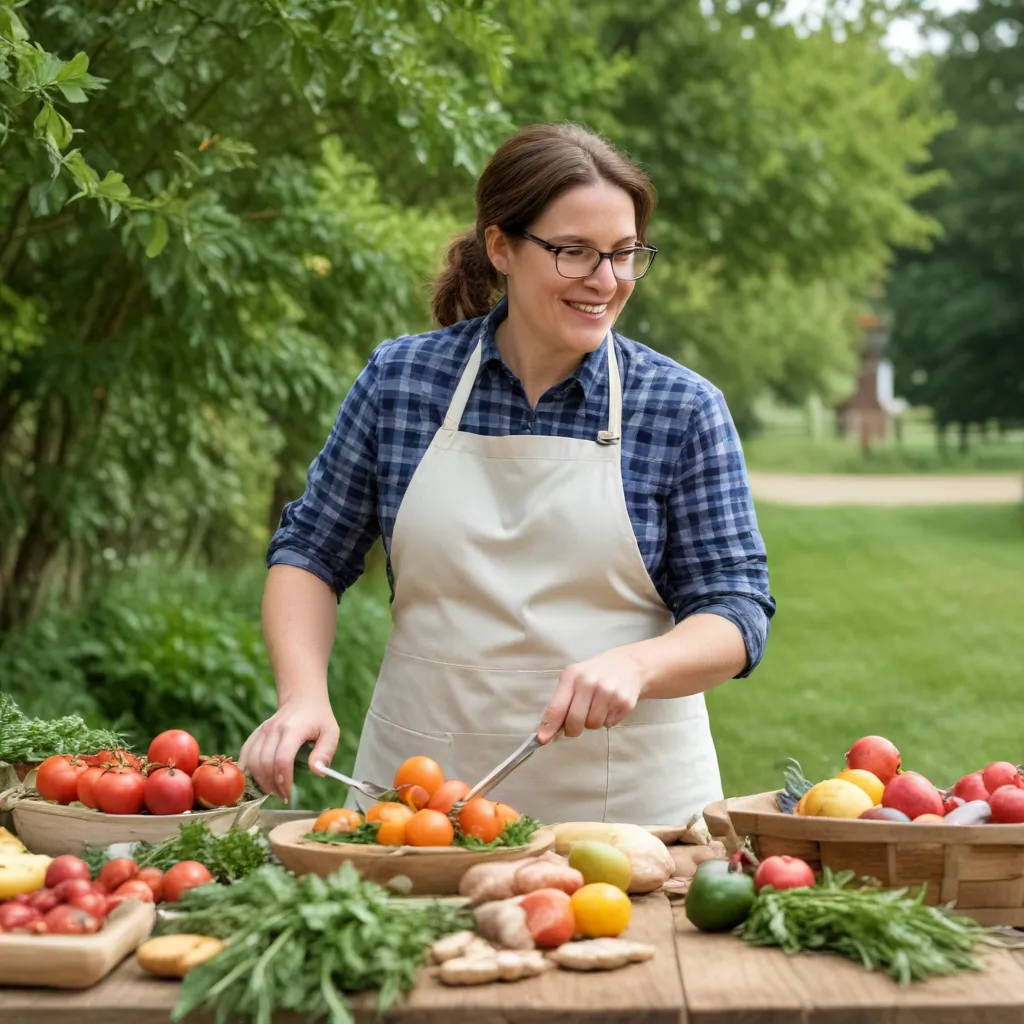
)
(503, 770)
(371, 789)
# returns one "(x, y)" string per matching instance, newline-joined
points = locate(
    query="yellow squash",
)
(20, 871)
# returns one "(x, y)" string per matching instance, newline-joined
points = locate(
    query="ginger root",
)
(502, 965)
(547, 873)
(503, 922)
(484, 882)
(600, 954)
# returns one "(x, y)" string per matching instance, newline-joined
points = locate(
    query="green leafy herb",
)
(880, 929)
(230, 856)
(24, 739)
(301, 944)
(365, 833)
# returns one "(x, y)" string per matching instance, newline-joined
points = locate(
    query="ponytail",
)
(469, 285)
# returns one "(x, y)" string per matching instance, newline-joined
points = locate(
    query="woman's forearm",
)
(699, 653)
(300, 617)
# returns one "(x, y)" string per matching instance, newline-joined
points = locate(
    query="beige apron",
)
(514, 557)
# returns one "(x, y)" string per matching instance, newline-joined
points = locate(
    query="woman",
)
(571, 539)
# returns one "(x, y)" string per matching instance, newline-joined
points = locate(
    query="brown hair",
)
(527, 172)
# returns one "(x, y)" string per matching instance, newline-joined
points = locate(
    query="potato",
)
(173, 956)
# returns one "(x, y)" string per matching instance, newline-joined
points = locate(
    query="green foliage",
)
(958, 340)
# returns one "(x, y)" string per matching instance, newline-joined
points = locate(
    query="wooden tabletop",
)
(694, 978)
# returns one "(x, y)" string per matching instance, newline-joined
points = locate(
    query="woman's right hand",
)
(269, 753)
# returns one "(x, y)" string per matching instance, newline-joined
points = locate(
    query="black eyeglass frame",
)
(556, 249)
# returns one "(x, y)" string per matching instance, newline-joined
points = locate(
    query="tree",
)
(958, 338)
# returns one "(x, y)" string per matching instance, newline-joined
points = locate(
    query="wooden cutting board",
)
(75, 961)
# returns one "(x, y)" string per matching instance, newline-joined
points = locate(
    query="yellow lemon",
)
(869, 782)
(601, 910)
(836, 798)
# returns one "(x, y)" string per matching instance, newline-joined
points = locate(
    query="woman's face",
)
(569, 315)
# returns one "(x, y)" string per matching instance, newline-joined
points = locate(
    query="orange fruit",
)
(448, 795)
(601, 910)
(420, 771)
(429, 828)
(480, 818)
(507, 814)
(338, 819)
(392, 830)
(415, 797)
(376, 812)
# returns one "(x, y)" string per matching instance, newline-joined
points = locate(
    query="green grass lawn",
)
(791, 452)
(903, 622)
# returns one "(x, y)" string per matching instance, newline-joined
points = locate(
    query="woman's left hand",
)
(593, 694)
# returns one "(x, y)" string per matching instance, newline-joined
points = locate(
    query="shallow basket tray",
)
(978, 868)
(55, 829)
(431, 870)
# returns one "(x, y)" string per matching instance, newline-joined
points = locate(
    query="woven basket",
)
(977, 868)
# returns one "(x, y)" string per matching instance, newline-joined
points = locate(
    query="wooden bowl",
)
(54, 829)
(431, 870)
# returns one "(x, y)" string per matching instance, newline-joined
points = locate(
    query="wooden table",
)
(694, 979)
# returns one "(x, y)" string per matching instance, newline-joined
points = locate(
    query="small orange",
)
(801, 804)
(429, 828)
(415, 797)
(392, 830)
(420, 771)
(338, 819)
(377, 810)
(446, 797)
(924, 819)
(479, 818)
(507, 814)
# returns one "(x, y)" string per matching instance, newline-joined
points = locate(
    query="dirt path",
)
(857, 489)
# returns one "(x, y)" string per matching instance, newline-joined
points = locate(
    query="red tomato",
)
(120, 791)
(116, 872)
(98, 886)
(66, 867)
(67, 920)
(72, 887)
(783, 872)
(185, 875)
(57, 778)
(549, 917)
(100, 759)
(154, 878)
(87, 786)
(44, 900)
(134, 889)
(17, 915)
(218, 782)
(168, 791)
(91, 902)
(175, 747)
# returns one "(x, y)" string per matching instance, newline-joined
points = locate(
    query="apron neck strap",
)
(612, 435)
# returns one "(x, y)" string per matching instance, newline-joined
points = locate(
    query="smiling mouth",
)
(590, 309)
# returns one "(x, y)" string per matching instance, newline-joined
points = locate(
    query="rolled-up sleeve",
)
(716, 558)
(331, 527)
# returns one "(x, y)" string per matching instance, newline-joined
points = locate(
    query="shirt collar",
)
(588, 374)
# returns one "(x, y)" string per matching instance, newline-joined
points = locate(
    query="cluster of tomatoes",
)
(420, 816)
(72, 903)
(171, 779)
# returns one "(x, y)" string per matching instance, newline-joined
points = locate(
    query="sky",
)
(904, 35)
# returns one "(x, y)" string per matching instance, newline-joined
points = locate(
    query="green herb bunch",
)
(300, 944)
(880, 929)
(229, 856)
(24, 739)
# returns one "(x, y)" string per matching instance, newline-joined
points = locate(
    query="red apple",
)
(972, 787)
(783, 872)
(1001, 773)
(875, 754)
(913, 794)
(951, 803)
(1007, 805)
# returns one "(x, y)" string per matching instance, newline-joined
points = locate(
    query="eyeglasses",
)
(579, 261)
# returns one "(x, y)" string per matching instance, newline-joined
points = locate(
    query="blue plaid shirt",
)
(683, 470)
